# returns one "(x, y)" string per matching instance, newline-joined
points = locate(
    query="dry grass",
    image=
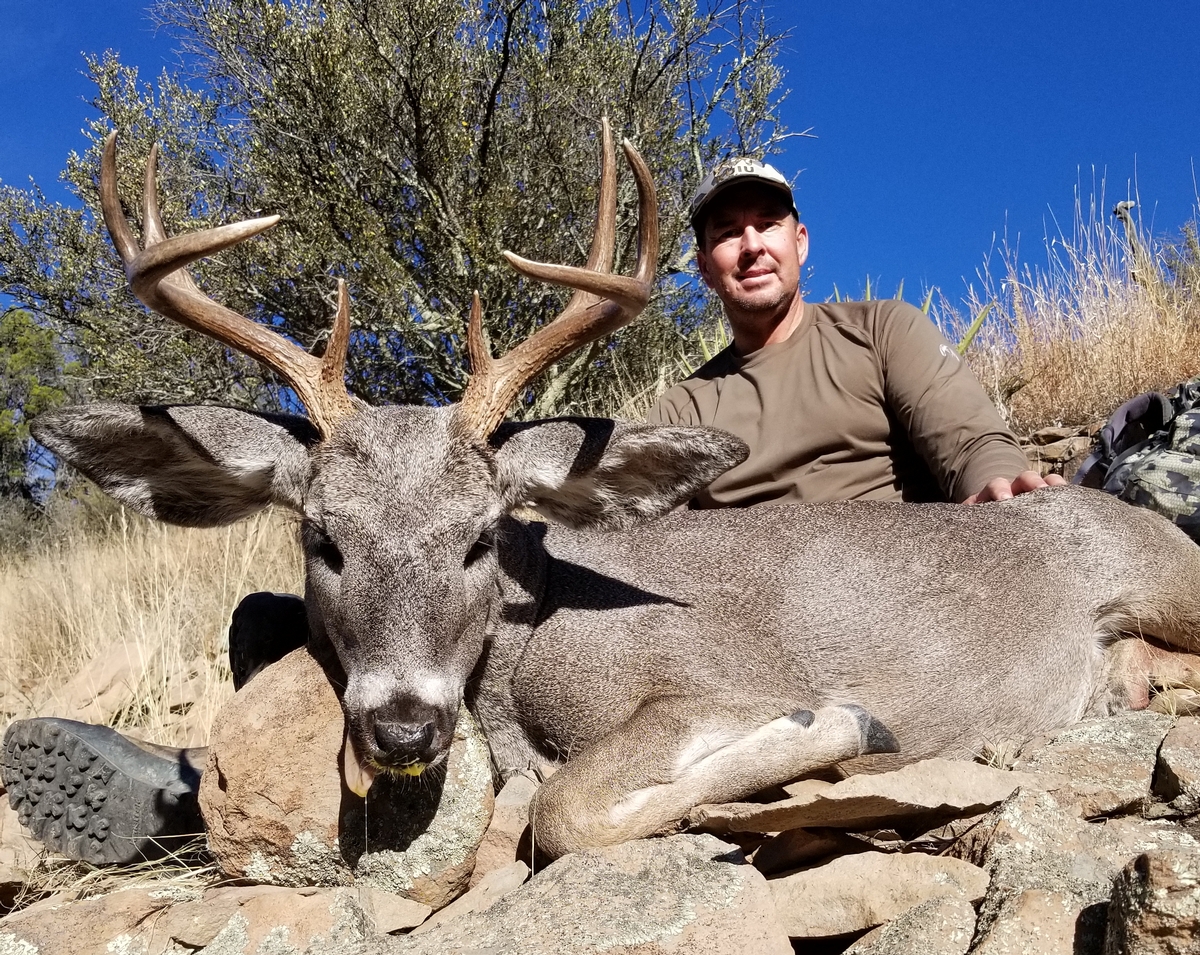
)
(1073, 339)
(147, 602)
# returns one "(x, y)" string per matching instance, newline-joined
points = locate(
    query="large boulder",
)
(1034, 842)
(278, 812)
(1103, 766)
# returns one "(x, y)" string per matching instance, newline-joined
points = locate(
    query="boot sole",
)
(87, 792)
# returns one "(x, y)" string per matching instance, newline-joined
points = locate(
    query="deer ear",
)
(196, 465)
(607, 474)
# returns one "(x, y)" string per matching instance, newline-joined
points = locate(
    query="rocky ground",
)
(1085, 843)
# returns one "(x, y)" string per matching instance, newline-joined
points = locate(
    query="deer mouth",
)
(359, 773)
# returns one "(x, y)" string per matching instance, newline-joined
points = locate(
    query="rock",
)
(510, 818)
(277, 811)
(186, 686)
(916, 797)
(861, 891)
(80, 927)
(1155, 907)
(1054, 434)
(800, 847)
(938, 927)
(481, 896)
(1033, 922)
(1104, 766)
(391, 913)
(251, 919)
(1177, 776)
(19, 854)
(1031, 841)
(103, 687)
(684, 894)
(271, 918)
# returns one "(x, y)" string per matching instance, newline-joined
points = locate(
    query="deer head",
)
(401, 506)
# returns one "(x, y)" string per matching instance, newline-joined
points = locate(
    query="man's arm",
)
(949, 419)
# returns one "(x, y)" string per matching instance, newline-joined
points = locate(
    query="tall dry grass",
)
(148, 601)
(1108, 315)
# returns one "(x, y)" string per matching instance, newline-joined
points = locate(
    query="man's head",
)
(729, 173)
(750, 244)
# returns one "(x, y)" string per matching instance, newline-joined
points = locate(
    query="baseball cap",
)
(731, 171)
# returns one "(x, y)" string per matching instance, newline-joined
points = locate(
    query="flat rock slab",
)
(862, 891)
(277, 811)
(1177, 776)
(228, 921)
(1103, 766)
(916, 797)
(685, 894)
(1155, 907)
(937, 927)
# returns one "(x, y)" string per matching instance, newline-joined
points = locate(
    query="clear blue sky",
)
(939, 124)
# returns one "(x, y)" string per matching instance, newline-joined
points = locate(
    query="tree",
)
(33, 379)
(406, 143)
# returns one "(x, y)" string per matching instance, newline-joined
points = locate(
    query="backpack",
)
(1148, 453)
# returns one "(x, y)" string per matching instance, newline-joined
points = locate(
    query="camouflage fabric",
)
(1162, 472)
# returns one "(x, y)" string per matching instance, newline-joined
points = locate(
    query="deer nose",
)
(401, 741)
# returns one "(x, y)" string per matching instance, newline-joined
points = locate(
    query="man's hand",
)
(1000, 489)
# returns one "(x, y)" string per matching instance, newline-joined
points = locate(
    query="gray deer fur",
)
(669, 659)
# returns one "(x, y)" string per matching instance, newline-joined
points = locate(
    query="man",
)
(859, 400)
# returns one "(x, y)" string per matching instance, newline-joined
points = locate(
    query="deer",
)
(658, 657)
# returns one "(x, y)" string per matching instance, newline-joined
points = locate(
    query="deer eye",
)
(480, 549)
(320, 545)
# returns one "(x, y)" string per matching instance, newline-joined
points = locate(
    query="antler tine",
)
(603, 302)
(158, 278)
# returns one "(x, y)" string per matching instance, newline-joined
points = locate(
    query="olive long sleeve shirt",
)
(865, 400)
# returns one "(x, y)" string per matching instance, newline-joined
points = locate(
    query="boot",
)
(92, 794)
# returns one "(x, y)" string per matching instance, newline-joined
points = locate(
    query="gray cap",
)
(730, 172)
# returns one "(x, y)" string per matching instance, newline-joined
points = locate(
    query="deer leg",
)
(1160, 601)
(674, 754)
(1143, 674)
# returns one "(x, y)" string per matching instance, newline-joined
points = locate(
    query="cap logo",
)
(736, 167)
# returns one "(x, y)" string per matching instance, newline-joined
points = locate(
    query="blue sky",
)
(940, 125)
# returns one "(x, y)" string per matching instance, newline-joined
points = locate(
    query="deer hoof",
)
(876, 738)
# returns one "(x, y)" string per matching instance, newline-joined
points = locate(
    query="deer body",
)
(955, 627)
(664, 659)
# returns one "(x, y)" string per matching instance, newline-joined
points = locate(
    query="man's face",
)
(752, 250)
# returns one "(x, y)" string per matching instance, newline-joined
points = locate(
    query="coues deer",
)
(666, 658)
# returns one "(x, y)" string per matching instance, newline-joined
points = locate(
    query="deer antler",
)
(601, 304)
(158, 278)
